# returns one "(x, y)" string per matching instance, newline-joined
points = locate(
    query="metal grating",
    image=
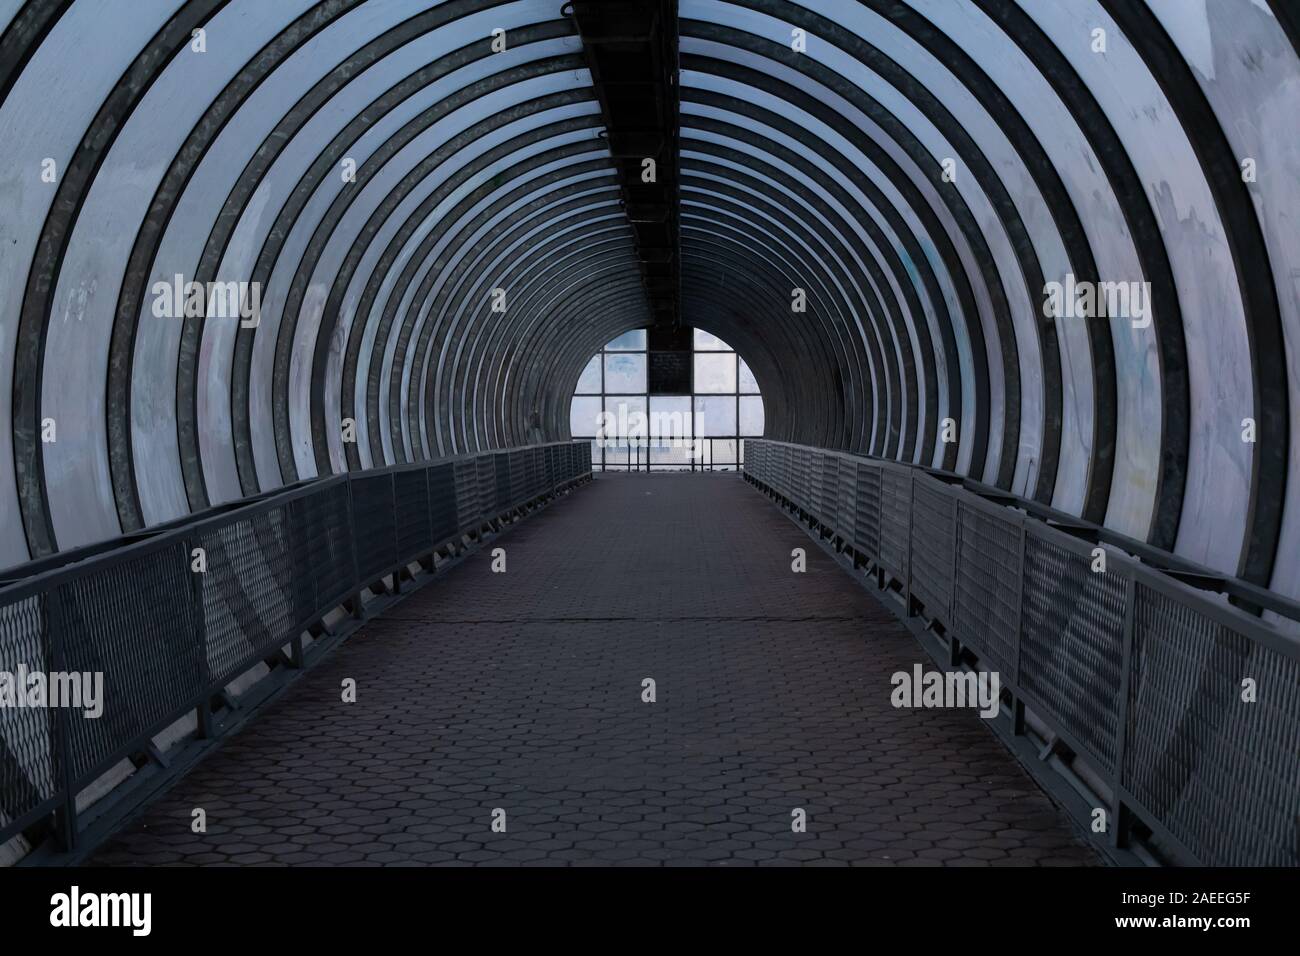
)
(468, 509)
(152, 665)
(1221, 774)
(986, 595)
(29, 768)
(816, 503)
(247, 591)
(848, 503)
(932, 546)
(376, 526)
(322, 549)
(1072, 644)
(866, 525)
(443, 515)
(518, 479)
(411, 498)
(895, 513)
(830, 474)
(489, 485)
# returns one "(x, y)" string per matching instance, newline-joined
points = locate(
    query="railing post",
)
(358, 609)
(907, 543)
(1120, 819)
(56, 622)
(203, 712)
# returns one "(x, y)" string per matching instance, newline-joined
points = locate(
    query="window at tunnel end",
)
(672, 409)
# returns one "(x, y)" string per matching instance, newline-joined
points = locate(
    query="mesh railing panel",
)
(815, 484)
(932, 546)
(490, 484)
(895, 508)
(248, 591)
(376, 525)
(322, 549)
(155, 630)
(468, 507)
(866, 525)
(152, 664)
(443, 517)
(1072, 644)
(518, 486)
(829, 467)
(847, 473)
(986, 592)
(411, 497)
(1220, 773)
(29, 768)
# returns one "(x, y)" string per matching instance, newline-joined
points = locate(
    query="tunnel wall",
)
(920, 172)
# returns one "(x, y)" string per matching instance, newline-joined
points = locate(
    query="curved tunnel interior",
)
(407, 236)
(1048, 246)
(990, 289)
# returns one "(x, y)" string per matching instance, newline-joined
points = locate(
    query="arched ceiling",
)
(918, 171)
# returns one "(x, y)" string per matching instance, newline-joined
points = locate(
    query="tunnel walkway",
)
(522, 691)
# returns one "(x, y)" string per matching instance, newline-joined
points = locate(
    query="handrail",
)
(1184, 705)
(169, 617)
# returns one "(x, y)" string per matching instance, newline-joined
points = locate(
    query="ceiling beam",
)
(631, 50)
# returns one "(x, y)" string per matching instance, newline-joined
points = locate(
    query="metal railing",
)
(650, 454)
(1184, 705)
(171, 616)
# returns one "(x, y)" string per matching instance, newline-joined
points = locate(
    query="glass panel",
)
(670, 417)
(633, 341)
(583, 417)
(625, 416)
(715, 415)
(748, 383)
(723, 452)
(624, 373)
(707, 342)
(715, 373)
(670, 453)
(589, 382)
(751, 416)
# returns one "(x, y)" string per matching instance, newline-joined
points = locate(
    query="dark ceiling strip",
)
(631, 52)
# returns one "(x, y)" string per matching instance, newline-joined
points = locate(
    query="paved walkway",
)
(522, 692)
